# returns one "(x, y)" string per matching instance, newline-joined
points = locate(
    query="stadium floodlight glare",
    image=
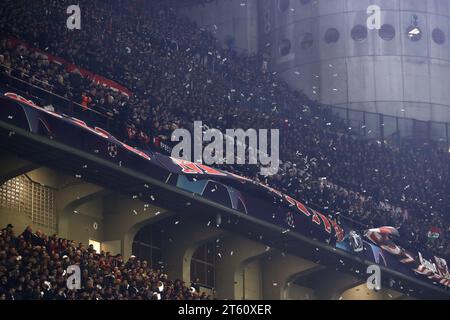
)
(414, 33)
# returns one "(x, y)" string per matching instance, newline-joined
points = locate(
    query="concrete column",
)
(279, 270)
(124, 217)
(72, 194)
(333, 283)
(180, 242)
(235, 253)
(87, 222)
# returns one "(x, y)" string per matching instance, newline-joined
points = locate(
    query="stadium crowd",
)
(33, 266)
(180, 73)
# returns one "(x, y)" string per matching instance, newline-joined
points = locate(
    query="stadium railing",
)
(46, 97)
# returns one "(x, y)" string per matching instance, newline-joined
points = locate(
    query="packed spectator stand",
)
(33, 266)
(179, 73)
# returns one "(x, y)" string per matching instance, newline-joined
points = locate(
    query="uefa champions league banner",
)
(233, 191)
(254, 199)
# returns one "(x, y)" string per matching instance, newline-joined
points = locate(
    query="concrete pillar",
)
(124, 217)
(279, 270)
(235, 254)
(181, 240)
(297, 292)
(87, 223)
(72, 194)
(333, 283)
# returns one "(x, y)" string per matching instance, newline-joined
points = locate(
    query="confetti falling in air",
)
(135, 212)
(78, 176)
(157, 213)
(177, 222)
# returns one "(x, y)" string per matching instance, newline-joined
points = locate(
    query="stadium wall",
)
(325, 49)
